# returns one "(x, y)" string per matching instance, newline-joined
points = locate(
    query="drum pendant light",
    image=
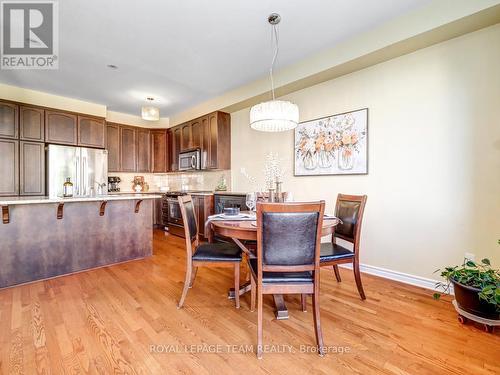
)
(274, 115)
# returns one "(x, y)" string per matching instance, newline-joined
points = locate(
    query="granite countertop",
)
(5, 201)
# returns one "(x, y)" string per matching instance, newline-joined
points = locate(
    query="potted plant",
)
(476, 287)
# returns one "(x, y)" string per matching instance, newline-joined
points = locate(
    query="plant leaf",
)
(486, 261)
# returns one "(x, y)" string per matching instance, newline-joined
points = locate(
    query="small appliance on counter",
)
(114, 184)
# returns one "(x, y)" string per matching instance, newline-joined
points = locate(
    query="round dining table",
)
(241, 231)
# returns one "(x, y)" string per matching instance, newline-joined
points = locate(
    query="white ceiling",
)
(185, 52)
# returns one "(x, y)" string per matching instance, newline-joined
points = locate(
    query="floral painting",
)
(333, 145)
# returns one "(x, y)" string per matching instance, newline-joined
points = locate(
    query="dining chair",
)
(221, 254)
(287, 262)
(349, 209)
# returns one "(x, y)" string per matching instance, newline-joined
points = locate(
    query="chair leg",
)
(193, 276)
(253, 293)
(357, 277)
(303, 300)
(187, 281)
(337, 273)
(259, 323)
(237, 285)
(317, 323)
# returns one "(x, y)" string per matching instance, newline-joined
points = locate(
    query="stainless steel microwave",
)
(190, 160)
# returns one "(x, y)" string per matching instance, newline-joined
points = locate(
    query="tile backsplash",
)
(201, 180)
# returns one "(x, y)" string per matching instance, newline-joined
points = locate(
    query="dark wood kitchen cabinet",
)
(203, 207)
(31, 124)
(185, 136)
(158, 212)
(128, 149)
(175, 147)
(31, 168)
(196, 133)
(159, 151)
(210, 133)
(143, 150)
(91, 132)
(9, 167)
(218, 148)
(61, 128)
(9, 120)
(113, 147)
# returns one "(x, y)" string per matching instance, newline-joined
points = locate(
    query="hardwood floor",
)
(118, 320)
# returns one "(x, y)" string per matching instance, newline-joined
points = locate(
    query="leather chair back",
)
(189, 220)
(349, 209)
(289, 235)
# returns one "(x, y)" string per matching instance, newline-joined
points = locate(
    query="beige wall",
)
(434, 153)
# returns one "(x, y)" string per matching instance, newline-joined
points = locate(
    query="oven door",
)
(174, 215)
(189, 160)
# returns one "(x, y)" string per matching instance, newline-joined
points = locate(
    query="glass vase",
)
(346, 158)
(310, 160)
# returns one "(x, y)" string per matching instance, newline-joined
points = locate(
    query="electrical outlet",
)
(470, 256)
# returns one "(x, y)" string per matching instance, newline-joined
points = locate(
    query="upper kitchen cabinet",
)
(31, 124)
(218, 141)
(9, 125)
(210, 133)
(128, 149)
(32, 168)
(143, 150)
(113, 147)
(175, 147)
(9, 167)
(196, 133)
(159, 154)
(61, 128)
(186, 136)
(91, 132)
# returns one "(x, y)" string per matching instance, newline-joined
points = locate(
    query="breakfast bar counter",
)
(44, 237)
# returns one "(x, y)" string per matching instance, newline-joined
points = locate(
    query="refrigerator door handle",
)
(85, 176)
(77, 182)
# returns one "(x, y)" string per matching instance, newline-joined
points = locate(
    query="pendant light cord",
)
(274, 38)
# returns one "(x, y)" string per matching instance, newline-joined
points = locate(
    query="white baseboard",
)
(405, 278)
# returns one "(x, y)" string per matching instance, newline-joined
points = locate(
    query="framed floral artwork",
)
(333, 145)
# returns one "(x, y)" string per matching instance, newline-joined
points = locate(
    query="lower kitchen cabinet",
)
(203, 207)
(158, 212)
(9, 167)
(32, 168)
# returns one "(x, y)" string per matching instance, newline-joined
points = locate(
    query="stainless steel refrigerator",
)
(87, 168)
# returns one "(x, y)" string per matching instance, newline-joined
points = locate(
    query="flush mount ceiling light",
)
(274, 115)
(150, 112)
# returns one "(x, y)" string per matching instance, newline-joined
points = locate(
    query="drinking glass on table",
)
(251, 201)
(289, 197)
